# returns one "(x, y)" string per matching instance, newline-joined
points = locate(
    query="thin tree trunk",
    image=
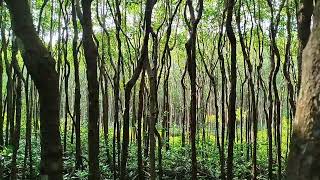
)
(139, 134)
(1, 73)
(18, 100)
(233, 82)
(77, 92)
(91, 56)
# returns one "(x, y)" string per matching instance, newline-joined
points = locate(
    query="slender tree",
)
(77, 94)
(129, 85)
(91, 56)
(192, 24)
(233, 83)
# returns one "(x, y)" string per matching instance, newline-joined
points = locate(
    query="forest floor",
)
(176, 162)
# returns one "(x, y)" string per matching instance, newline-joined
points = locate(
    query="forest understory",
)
(176, 161)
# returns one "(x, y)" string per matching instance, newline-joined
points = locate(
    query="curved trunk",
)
(233, 83)
(41, 66)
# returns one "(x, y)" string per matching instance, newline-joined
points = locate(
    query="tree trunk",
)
(139, 135)
(2, 26)
(91, 56)
(303, 160)
(129, 85)
(16, 136)
(190, 46)
(77, 93)
(233, 82)
(304, 25)
(41, 66)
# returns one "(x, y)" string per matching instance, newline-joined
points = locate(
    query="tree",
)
(18, 101)
(303, 157)
(1, 72)
(41, 66)
(233, 82)
(77, 98)
(91, 56)
(304, 14)
(129, 85)
(190, 45)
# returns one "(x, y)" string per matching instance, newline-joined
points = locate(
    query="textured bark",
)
(233, 83)
(41, 66)
(303, 162)
(304, 22)
(152, 76)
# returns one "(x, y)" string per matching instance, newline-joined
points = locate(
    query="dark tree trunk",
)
(274, 53)
(129, 85)
(223, 92)
(152, 74)
(77, 94)
(253, 113)
(18, 102)
(116, 80)
(41, 66)
(183, 140)
(91, 56)
(233, 83)
(2, 26)
(191, 61)
(304, 14)
(27, 151)
(139, 134)
(10, 92)
(66, 75)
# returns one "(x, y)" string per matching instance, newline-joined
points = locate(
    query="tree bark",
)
(303, 160)
(304, 25)
(77, 94)
(139, 135)
(41, 66)
(233, 82)
(91, 56)
(17, 127)
(190, 46)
